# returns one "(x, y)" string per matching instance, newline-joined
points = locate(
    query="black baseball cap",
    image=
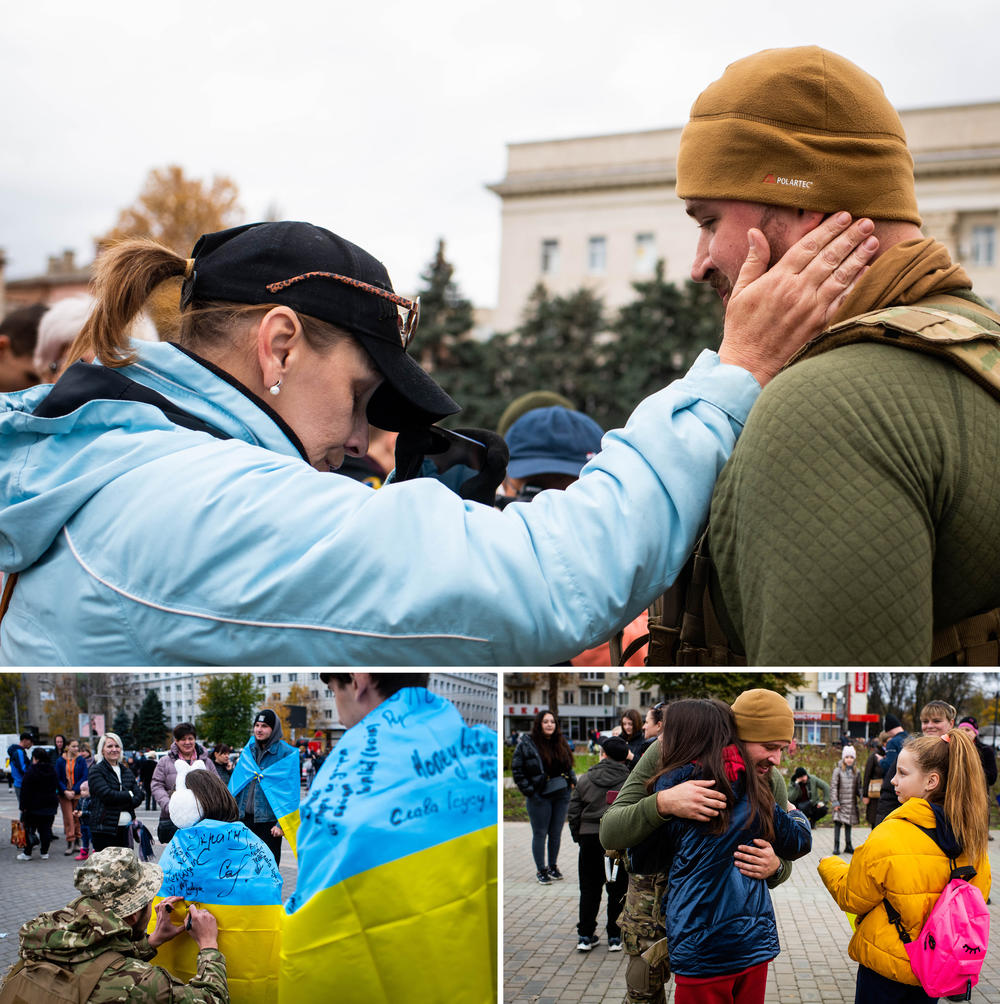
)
(245, 264)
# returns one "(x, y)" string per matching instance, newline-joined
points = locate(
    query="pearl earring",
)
(276, 389)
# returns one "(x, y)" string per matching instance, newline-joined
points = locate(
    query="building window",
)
(645, 697)
(983, 250)
(569, 697)
(328, 712)
(522, 697)
(593, 697)
(597, 255)
(261, 680)
(800, 702)
(592, 677)
(550, 257)
(644, 261)
(276, 678)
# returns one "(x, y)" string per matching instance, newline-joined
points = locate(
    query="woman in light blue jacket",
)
(179, 494)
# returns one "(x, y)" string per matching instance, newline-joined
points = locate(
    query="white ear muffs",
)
(184, 809)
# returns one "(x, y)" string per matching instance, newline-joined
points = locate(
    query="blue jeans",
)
(547, 817)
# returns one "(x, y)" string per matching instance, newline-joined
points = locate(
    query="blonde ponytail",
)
(126, 274)
(962, 792)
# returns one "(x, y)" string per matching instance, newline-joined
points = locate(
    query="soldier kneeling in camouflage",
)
(97, 949)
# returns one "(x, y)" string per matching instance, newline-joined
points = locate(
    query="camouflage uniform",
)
(642, 927)
(86, 928)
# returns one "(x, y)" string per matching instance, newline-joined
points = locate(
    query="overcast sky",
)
(385, 120)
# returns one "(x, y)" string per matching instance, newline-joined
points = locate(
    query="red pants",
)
(746, 987)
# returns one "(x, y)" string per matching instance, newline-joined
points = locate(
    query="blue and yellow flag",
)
(229, 871)
(396, 896)
(280, 780)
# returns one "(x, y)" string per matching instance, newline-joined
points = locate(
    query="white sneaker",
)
(23, 857)
(45, 857)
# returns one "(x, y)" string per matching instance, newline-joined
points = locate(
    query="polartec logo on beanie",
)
(773, 179)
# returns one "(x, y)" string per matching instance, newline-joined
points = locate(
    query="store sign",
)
(523, 709)
(860, 683)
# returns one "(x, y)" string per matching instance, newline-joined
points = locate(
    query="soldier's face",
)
(139, 927)
(765, 755)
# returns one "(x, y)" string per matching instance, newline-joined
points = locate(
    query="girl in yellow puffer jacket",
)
(939, 783)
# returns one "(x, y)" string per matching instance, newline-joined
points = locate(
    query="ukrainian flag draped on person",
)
(397, 883)
(226, 869)
(280, 779)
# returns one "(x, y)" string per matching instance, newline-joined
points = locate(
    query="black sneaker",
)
(614, 944)
(586, 943)
(555, 874)
(543, 878)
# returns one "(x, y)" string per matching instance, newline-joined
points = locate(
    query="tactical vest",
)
(684, 629)
(38, 981)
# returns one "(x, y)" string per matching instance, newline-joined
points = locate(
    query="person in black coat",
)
(542, 767)
(39, 804)
(114, 795)
(147, 764)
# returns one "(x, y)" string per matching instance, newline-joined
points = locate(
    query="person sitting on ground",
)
(18, 335)
(102, 934)
(587, 804)
(39, 803)
(215, 860)
(810, 794)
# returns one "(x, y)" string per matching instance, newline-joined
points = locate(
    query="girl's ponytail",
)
(126, 274)
(966, 803)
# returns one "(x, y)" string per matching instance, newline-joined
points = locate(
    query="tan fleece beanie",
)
(762, 716)
(803, 128)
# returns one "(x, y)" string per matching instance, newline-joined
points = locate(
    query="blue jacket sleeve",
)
(792, 834)
(892, 748)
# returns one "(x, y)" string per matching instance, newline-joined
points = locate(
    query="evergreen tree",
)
(445, 315)
(558, 347)
(228, 702)
(123, 727)
(658, 336)
(150, 727)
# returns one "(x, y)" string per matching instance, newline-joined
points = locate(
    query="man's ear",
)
(278, 333)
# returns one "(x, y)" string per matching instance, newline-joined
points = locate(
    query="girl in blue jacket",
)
(720, 925)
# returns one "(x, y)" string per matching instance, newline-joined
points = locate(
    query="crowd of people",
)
(218, 881)
(688, 834)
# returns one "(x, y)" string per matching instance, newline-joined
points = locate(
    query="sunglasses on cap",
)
(407, 324)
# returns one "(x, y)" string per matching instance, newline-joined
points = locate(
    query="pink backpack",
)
(949, 952)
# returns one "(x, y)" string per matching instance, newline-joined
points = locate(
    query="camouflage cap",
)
(117, 878)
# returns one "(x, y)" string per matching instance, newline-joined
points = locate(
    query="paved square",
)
(542, 966)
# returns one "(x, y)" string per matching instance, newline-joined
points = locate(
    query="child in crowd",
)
(905, 860)
(587, 804)
(845, 790)
(82, 812)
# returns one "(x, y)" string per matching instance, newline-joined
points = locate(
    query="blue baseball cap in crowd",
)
(552, 440)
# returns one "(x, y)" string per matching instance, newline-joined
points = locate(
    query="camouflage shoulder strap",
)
(965, 332)
(684, 629)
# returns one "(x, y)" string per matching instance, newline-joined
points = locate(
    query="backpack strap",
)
(8, 590)
(91, 974)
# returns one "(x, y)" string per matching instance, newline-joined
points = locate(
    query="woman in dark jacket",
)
(720, 924)
(873, 773)
(39, 803)
(114, 795)
(633, 735)
(542, 767)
